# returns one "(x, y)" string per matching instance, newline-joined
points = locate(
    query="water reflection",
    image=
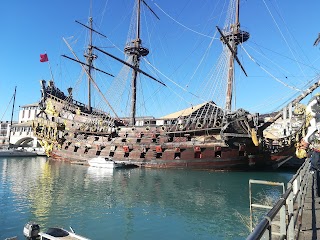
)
(124, 203)
(100, 174)
(41, 193)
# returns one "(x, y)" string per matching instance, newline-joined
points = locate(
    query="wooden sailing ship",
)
(204, 136)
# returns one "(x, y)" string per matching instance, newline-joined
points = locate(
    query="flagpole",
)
(49, 67)
(44, 58)
(50, 70)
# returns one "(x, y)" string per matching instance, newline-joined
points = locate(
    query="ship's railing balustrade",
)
(287, 212)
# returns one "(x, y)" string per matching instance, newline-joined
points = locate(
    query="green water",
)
(126, 203)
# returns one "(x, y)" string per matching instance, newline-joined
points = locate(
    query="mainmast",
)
(232, 39)
(90, 57)
(135, 49)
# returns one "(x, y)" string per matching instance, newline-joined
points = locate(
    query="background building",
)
(21, 132)
(4, 132)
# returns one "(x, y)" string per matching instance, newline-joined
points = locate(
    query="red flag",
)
(44, 58)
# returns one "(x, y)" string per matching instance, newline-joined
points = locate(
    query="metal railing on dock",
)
(261, 206)
(283, 221)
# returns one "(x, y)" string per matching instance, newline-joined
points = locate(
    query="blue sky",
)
(282, 30)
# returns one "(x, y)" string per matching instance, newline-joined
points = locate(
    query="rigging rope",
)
(202, 59)
(273, 62)
(220, 74)
(285, 40)
(118, 86)
(7, 107)
(277, 79)
(230, 16)
(202, 34)
(132, 27)
(184, 89)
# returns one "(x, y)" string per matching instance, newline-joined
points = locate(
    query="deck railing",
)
(283, 221)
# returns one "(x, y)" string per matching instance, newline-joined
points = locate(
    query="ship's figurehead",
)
(312, 138)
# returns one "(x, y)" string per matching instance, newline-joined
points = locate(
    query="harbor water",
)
(126, 203)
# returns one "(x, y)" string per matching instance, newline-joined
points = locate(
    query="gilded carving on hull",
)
(50, 109)
(299, 109)
(47, 147)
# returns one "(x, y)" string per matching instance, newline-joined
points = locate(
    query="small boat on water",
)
(32, 231)
(13, 152)
(104, 162)
(21, 152)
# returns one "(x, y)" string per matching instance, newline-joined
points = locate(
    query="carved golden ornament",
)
(308, 119)
(50, 109)
(299, 109)
(65, 125)
(301, 153)
(48, 147)
(78, 111)
(254, 137)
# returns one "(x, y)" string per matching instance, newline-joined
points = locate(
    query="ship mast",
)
(90, 57)
(232, 39)
(135, 50)
(14, 100)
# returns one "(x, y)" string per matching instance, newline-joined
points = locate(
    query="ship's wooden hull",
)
(73, 135)
(167, 161)
(154, 149)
